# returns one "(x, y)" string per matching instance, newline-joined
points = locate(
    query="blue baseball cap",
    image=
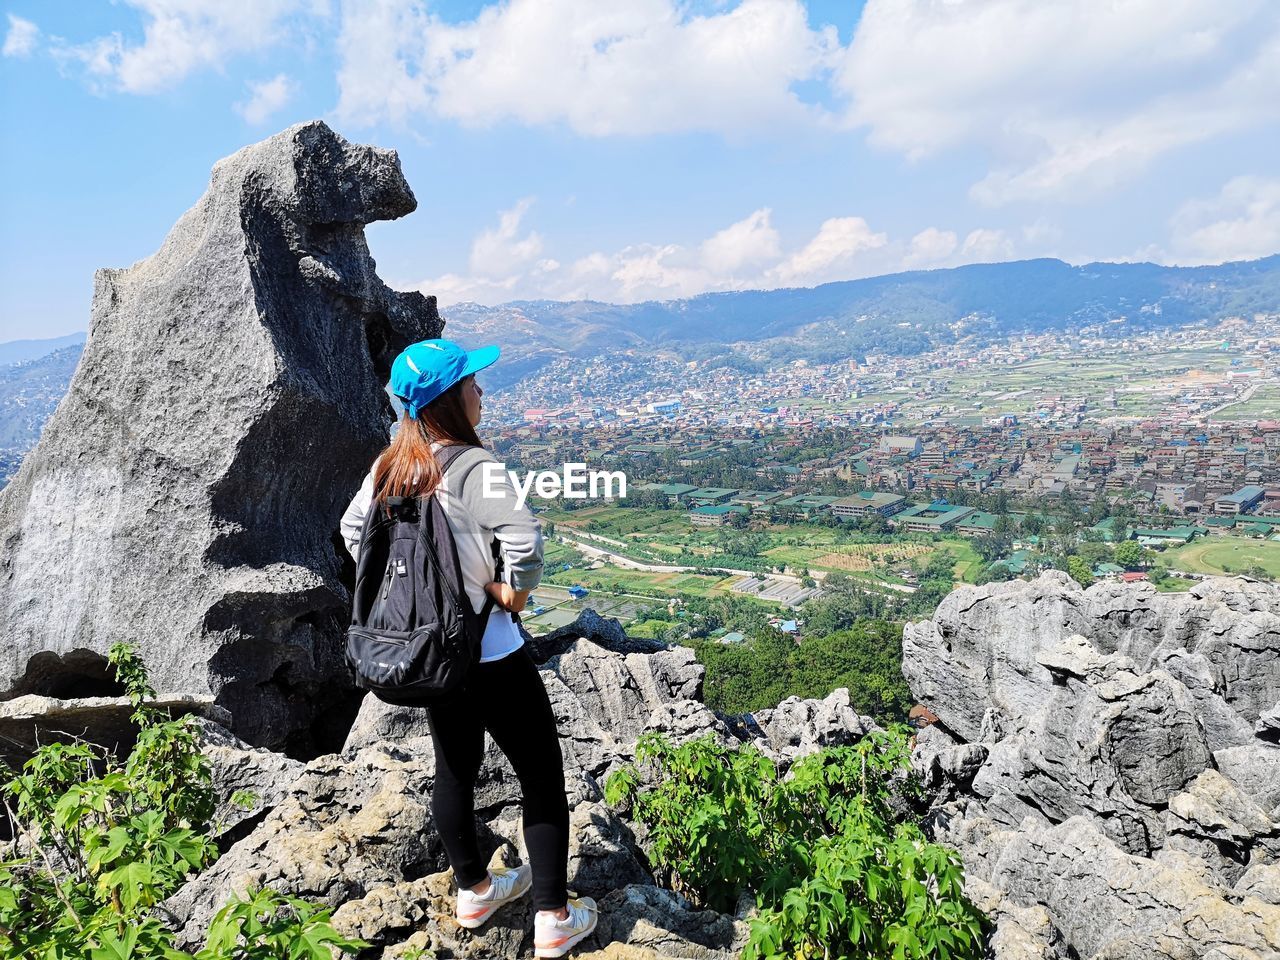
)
(426, 369)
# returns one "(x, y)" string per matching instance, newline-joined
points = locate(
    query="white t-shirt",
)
(475, 519)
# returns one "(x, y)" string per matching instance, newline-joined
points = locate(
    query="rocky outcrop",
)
(28, 721)
(186, 493)
(797, 727)
(343, 828)
(353, 830)
(1102, 758)
(248, 781)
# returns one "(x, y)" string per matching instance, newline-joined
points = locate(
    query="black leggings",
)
(505, 696)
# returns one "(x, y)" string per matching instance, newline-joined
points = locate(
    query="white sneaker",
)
(505, 884)
(553, 937)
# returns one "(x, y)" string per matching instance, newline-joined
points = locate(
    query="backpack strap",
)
(446, 456)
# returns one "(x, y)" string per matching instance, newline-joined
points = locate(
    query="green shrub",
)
(110, 840)
(833, 872)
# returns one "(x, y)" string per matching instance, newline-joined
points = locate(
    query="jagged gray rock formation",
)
(28, 721)
(796, 727)
(354, 831)
(343, 828)
(186, 493)
(1103, 756)
(262, 778)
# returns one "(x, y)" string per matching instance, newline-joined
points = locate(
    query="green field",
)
(1143, 386)
(1263, 405)
(1218, 555)
(659, 536)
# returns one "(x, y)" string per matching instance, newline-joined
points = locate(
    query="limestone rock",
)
(265, 777)
(420, 914)
(1020, 932)
(1109, 903)
(378, 722)
(606, 632)
(603, 851)
(979, 653)
(1268, 725)
(344, 828)
(663, 921)
(1255, 768)
(187, 491)
(979, 650)
(1103, 755)
(1262, 882)
(940, 760)
(28, 721)
(797, 727)
(1216, 821)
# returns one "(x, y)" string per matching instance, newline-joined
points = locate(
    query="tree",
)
(1079, 571)
(1130, 554)
(1094, 553)
(1004, 527)
(995, 573)
(991, 547)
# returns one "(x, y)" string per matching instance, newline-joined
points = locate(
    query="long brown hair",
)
(407, 467)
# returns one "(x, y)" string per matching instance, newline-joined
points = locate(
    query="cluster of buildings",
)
(901, 427)
(649, 387)
(1186, 468)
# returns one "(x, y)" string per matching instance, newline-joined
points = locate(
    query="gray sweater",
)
(476, 515)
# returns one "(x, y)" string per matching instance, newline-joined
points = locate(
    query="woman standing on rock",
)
(503, 693)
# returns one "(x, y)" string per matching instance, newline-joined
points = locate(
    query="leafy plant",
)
(270, 926)
(99, 842)
(834, 872)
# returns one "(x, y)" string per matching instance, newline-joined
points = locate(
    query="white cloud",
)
(454, 288)
(266, 98)
(182, 36)
(828, 255)
(635, 68)
(21, 39)
(1041, 235)
(930, 246)
(1241, 223)
(500, 251)
(374, 79)
(1067, 96)
(747, 243)
(508, 261)
(985, 246)
(650, 272)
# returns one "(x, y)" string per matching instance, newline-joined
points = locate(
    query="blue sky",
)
(653, 148)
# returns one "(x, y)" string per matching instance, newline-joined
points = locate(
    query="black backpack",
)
(413, 634)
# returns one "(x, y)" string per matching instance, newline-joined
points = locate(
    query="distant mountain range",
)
(29, 393)
(15, 351)
(903, 313)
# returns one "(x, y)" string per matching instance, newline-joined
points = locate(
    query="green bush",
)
(834, 873)
(107, 841)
